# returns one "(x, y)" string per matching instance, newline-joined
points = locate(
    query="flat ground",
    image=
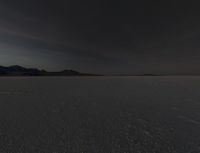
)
(100, 115)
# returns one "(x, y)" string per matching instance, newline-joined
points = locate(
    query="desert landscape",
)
(100, 114)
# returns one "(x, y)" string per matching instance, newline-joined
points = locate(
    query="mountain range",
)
(17, 70)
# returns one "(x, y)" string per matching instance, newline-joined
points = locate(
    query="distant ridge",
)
(16, 70)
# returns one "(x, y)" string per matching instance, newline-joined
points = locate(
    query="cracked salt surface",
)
(190, 120)
(100, 115)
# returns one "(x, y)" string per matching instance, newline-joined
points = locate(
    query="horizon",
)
(81, 72)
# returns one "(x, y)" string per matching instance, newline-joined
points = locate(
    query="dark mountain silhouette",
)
(17, 70)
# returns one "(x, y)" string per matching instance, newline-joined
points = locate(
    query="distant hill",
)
(17, 70)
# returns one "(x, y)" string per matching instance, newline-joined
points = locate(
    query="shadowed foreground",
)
(100, 115)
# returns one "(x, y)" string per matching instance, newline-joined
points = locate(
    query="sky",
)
(101, 36)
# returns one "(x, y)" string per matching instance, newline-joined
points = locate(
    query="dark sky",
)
(105, 36)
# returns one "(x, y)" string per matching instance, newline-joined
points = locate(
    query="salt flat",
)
(100, 115)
